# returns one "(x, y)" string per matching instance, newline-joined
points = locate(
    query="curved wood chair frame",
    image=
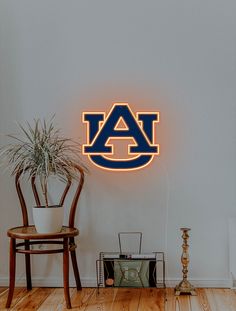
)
(28, 233)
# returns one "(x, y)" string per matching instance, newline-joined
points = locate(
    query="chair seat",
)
(30, 233)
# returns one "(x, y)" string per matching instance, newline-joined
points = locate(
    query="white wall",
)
(177, 57)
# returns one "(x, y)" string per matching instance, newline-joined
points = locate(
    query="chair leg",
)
(75, 265)
(66, 272)
(12, 270)
(27, 267)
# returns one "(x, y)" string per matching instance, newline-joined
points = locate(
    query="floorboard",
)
(102, 300)
(152, 299)
(127, 299)
(33, 299)
(19, 294)
(81, 299)
(120, 299)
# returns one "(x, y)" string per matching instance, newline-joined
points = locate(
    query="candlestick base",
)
(186, 288)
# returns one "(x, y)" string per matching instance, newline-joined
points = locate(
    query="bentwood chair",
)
(64, 239)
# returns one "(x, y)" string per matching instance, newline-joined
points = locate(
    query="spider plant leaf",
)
(25, 132)
(42, 151)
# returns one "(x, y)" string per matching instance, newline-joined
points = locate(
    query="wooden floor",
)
(114, 299)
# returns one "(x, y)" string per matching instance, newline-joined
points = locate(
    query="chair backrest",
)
(63, 197)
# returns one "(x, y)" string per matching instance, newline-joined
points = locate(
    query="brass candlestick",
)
(184, 286)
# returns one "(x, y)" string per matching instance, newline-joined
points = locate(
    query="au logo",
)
(102, 128)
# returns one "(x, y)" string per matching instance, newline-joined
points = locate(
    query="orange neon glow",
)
(121, 126)
(120, 169)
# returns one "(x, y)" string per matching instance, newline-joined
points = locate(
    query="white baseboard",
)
(92, 282)
(49, 282)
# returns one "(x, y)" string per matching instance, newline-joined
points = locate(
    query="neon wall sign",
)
(102, 128)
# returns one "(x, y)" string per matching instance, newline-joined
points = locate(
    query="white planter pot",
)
(48, 219)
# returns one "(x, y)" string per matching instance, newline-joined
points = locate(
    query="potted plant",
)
(41, 152)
